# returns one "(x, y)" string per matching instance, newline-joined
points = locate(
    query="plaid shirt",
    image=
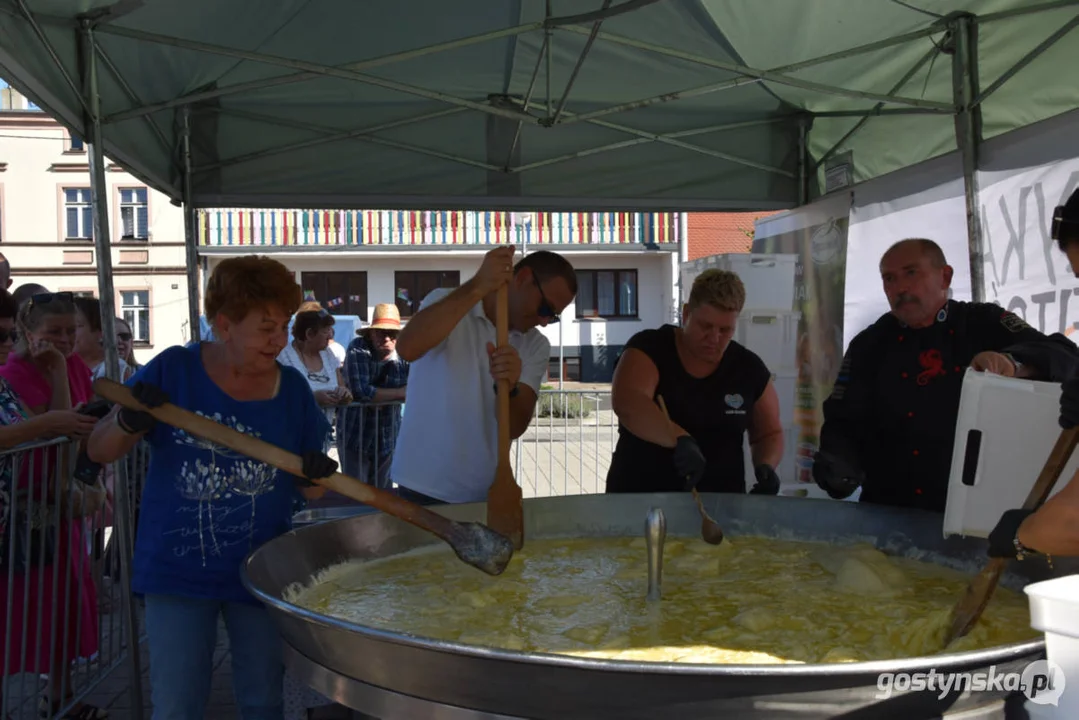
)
(364, 375)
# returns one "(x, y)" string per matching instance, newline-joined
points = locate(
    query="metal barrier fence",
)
(565, 451)
(66, 611)
(65, 547)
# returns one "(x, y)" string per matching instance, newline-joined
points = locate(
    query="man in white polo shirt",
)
(447, 448)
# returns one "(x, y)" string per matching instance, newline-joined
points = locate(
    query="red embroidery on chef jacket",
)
(933, 364)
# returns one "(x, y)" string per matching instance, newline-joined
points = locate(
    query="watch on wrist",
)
(1015, 363)
(1021, 550)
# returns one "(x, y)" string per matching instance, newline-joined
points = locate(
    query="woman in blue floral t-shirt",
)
(205, 507)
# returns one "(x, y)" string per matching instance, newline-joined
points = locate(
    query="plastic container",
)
(787, 470)
(773, 336)
(1004, 434)
(786, 384)
(1054, 609)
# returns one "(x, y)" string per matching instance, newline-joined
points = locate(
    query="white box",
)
(769, 278)
(787, 468)
(1005, 432)
(773, 336)
(1054, 609)
(786, 385)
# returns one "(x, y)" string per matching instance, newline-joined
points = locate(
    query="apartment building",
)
(46, 226)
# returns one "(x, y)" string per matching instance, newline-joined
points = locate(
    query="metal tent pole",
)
(191, 241)
(967, 135)
(99, 193)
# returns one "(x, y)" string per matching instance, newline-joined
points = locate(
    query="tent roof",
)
(636, 104)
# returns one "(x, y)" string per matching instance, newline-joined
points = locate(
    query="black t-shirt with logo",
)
(715, 410)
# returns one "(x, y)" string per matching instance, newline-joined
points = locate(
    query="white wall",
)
(654, 286)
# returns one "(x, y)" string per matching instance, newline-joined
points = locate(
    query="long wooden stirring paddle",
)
(710, 529)
(975, 598)
(475, 544)
(505, 509)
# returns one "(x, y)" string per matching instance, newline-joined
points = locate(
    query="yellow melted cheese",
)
(750, 600)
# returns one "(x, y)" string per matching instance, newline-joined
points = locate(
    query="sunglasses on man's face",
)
(124, 337)
(545, 309)
(6, 335)
(48, 297)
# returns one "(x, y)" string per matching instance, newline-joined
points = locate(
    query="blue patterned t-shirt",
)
(205, 507)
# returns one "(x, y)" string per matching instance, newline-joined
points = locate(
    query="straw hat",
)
(386, 317)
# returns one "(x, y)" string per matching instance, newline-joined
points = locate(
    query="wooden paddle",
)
(505, 509)
(976, 597)
(474, 543)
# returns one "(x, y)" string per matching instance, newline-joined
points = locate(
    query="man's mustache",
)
(903, 299)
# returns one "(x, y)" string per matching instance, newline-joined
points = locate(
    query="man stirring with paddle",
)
(1054, 527)
(447, 446)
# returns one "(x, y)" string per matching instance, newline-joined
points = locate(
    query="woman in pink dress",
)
(42, 381)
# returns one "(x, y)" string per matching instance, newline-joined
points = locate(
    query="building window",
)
(571, 365)
(78, 214)
(76, 144)
(342, 293)
(606, 294)
(133, 216)
(135, 309)
(413, 286)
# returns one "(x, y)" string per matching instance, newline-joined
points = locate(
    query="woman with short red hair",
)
(204, 507)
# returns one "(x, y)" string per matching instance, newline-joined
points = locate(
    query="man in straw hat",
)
(376, 374)
(447, 450)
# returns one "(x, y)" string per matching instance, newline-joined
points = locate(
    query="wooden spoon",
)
(710, 529)
(976, 597)
(474, 543)
(505, 509)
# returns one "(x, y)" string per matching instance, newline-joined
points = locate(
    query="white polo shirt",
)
(447, 446)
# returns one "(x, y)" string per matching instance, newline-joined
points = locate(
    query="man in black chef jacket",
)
(889, 424)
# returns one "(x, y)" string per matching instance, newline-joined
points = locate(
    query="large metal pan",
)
(533, 685)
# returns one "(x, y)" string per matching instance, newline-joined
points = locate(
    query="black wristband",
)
(123, 421)
(1004, 539)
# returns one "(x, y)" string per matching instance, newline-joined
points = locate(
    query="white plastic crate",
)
(769, 278)
(786, 470)
(1005, 432)
(786, 385)
(773, 336)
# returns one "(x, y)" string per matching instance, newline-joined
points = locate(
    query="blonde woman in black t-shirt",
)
(715, 390)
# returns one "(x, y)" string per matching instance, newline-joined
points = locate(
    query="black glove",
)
(136, 422)
(688, 461)
(767, 481)
(835, 476)
(1002, 538)
(1069, 403)
(317, 465)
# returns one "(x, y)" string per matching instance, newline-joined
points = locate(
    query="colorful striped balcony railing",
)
(225, 227)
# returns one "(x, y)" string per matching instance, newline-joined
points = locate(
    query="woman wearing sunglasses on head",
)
(44, 367)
